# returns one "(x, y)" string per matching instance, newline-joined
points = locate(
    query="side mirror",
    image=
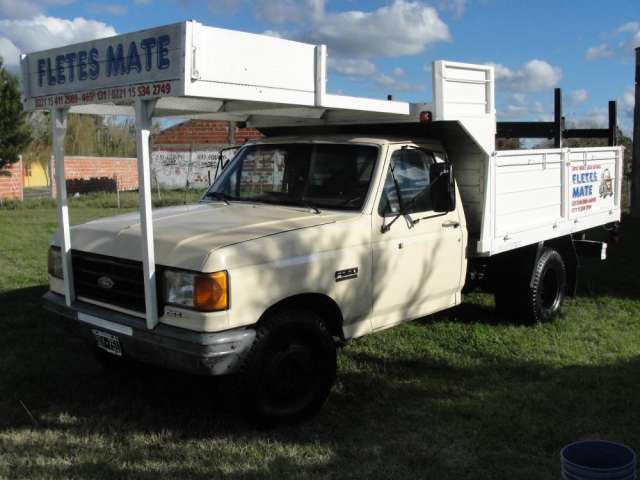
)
(443, 189)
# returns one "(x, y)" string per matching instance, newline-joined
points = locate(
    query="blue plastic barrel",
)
(598, 460)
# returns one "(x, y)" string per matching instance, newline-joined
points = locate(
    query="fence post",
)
(117, 192)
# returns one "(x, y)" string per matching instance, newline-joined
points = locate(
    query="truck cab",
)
(358, 233)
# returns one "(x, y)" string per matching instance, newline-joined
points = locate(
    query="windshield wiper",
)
(220, 196)
(306, 204)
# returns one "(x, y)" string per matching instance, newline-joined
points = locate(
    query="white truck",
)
(345, 219)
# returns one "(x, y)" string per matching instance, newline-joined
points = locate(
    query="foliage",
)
(507, 143)
(86, 135)
(128, 200)
(15, 133)
(461, 395)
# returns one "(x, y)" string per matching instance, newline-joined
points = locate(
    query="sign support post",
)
(59, 132)
(144, 113)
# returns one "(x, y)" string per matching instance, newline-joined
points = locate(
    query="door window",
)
(407, 184)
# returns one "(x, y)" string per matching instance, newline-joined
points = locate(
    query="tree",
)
(15, 134)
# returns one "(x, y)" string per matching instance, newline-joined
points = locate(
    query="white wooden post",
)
(59, 131)
(144, 113)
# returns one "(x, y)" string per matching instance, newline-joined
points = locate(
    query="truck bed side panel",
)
(537, 195)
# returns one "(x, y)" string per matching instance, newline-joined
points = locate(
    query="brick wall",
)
(99, 172)
(201, 133)
(11, 185)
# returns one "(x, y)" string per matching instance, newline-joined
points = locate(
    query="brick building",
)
(203, 133)
(187, 154)
(11, 181)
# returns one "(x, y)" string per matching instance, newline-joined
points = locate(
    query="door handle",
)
(451, 224)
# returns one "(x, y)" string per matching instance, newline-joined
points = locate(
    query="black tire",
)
(533, 297)
(289, 371)
(548, 287)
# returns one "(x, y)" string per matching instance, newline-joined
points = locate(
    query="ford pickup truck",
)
(348, 217)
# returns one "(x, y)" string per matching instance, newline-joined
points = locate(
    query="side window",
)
(408, 175)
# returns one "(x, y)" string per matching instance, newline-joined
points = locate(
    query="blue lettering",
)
(41, 71)
(163, 51)
(94, 66)
(51, 80)
(82, 65)
(60, 69)
(115, 61)
(582, 191)
(71, 60)
(133, 59)
(147, 45)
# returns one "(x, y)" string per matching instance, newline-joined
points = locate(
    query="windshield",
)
(334, 176)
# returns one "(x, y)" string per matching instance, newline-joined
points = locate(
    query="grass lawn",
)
(458, 395)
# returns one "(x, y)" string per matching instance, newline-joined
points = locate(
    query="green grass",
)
(458, 395)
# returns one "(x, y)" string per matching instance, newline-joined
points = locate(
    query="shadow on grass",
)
(412, 415)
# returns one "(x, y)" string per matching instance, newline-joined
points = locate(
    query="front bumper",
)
(170, 347)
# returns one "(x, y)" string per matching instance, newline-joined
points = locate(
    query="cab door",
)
(418, 254)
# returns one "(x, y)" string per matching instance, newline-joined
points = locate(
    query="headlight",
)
(203, 291)
(54, 262)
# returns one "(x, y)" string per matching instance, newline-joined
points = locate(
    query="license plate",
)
(107, 342)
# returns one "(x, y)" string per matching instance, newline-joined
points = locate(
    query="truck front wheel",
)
(537, 297)
(290, 369)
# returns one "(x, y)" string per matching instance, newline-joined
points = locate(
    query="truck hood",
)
(184, 236)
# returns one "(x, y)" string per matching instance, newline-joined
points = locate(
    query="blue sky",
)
(381, 47)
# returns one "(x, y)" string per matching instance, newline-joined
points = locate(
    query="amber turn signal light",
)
(211, 292)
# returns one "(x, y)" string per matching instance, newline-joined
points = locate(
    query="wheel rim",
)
(290, 379)
(550, 291)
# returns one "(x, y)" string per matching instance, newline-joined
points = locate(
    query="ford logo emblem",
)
(106, 283)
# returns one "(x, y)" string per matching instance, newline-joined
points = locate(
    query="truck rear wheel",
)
(290, 369)
(538, 297)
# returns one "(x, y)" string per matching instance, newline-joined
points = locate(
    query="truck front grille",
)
(114, 281)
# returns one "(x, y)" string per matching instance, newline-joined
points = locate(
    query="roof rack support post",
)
(557, 120)
(59, 132)
(144, 114)
(613, 123)
(321, 75)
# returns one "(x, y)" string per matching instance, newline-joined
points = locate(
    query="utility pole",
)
(635, 161)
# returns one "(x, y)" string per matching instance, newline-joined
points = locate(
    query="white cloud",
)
(594, 118)
(631, 27)
(286, 11)
(9, 53)
(110, 8)
(50, 32)
(627, 102)
(399, 28)
(26, 8)
(519, 98)
(217, 6)
(599, 51)
(578, 96)
(350, 67)
(272, 33)
(630, 32)
(533, 76)
(454, 7)
(365, 69)
(393, 84)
